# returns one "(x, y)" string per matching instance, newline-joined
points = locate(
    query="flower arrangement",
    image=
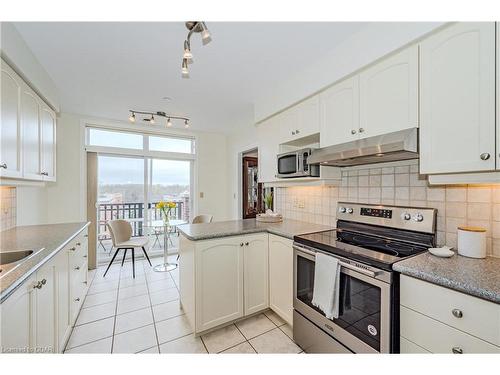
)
(268, 201)
(165, 209)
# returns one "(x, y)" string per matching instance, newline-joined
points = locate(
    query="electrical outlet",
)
(202, 194)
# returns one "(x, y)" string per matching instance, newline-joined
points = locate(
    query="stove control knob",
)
(418, 217)
(350, 210)
(406, 216)
(342, 209)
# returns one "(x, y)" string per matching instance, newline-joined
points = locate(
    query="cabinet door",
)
(45, 306)
(30, 117)
(457, 99)
(300, 121)
(281, 277)
(268, 147)
(389, 94)
(62, 303)
(48, 148)
(339, 113)
(219, 280)
(16, 315)
(10, 124)
(256, 275)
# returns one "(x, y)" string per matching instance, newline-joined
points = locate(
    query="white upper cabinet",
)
(10, 126)
(48, 143)
(30, 120)
(300, 120)
(339, 112)
(389, 94)
(457, 99)
(268, 148)
(28, 131)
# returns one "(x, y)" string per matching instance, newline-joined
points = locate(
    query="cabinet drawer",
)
(408, 347)
(437, 337)
(479, 318)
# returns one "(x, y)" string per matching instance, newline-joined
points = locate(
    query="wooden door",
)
(252, 189)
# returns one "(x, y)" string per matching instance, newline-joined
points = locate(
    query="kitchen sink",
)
(14, 256)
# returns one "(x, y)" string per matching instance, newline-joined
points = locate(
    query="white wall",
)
(363, 48)
(31, 205)
(66, 198)
(15, 51)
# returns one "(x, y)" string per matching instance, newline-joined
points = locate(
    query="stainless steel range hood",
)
(400, 145)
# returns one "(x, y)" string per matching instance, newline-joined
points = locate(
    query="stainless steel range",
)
(367, 241)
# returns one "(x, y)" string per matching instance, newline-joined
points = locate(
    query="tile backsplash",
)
(7, 207)
(476, 205)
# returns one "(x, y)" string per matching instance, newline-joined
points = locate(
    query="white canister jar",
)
(471, 242)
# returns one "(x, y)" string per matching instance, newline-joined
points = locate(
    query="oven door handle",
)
(343, 264)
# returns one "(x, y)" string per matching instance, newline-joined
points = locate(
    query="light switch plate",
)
(202, 194)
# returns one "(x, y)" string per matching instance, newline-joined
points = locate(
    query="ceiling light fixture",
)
(206, 37)
(152, 120)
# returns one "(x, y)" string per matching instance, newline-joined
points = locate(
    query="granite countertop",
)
(45, 240)
(287, 228)
(476, 277)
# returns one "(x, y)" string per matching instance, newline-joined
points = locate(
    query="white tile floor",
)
(125, 315)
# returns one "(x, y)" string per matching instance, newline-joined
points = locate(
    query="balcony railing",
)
(127, 211)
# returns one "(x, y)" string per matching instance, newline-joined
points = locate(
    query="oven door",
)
(363, 324)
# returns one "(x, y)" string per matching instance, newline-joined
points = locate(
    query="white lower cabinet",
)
(440, 320)
(219, 282)
(222, 280)
(255, 275)
(281, 277)
(38, 316)
(16, 314)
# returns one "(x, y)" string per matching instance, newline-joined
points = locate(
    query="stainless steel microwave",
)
(295, 164)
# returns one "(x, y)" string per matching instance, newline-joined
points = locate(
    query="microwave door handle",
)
(298, 163)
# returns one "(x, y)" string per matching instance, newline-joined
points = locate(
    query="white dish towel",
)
(326, 289)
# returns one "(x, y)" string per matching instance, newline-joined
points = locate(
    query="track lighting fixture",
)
(206, 37)
(131, 118)
(152, 120)
(185, 70)
(187, 52)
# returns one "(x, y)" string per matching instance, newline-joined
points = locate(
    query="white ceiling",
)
(104, 69)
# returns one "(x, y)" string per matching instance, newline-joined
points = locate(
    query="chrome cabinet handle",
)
(297, 131)
(457, 313)
(246, 243)
(85, 256)
(353, 131)
(293, 133)
(85, 282)
(241, 244)
(44, 173)
(77, 299)
(78, 244)
(72, 249)
(4, 165)
(77, 268)
(361, 130)
(484, 156)
(85, 235)
(457, 350)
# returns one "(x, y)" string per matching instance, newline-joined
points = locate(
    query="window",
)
(167, 144)
(109, 138)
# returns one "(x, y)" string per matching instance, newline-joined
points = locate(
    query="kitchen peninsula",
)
(233, 269)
